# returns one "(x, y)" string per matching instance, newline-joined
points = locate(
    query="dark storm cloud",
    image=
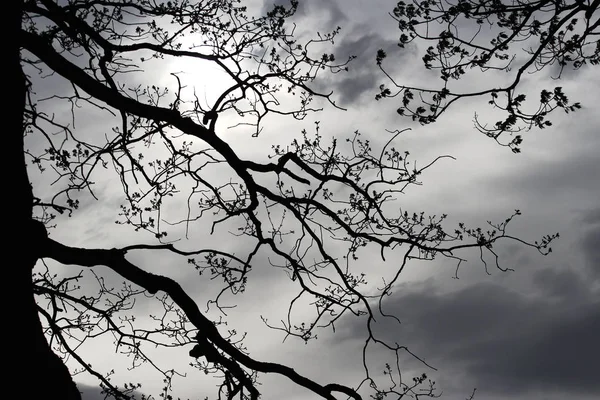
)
(363, 76)
(329, 8)
(591, 249)
(563, 285)
(591, 217)
(506, 342)
(590, 240)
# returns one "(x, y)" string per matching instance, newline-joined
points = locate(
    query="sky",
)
(530, 333)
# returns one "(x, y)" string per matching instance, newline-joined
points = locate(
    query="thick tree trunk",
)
(48, 376)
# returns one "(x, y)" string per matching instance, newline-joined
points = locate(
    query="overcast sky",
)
(527, 334)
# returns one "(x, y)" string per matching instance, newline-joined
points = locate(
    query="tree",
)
(518, 37)
(311, 207)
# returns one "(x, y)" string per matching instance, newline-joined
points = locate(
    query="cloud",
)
(325, 8)
(591, 249)
(360, 83)
(591, 217)
(504, 342)
(562, 285)
(569, 176)
(589, 240)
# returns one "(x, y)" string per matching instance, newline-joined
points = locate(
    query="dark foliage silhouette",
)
(517, 37)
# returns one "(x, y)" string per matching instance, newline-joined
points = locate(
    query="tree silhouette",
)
(310, 207)
(518, 37)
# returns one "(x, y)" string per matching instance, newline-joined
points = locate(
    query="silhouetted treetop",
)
(518, 37)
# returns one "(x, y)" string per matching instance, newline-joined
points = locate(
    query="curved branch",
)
(115, 260)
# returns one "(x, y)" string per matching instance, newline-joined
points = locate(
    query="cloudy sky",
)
(527, 334)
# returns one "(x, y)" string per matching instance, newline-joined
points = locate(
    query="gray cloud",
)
(328, 8)
(331, 7)
(506, 342)
(562, 285)
(547, 354)
(559, 175)
(362, 79)
(591, 249)
(591, 217)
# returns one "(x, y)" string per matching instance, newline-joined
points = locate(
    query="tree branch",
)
(115, 259)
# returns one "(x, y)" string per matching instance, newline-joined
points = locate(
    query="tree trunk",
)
(33, 359)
